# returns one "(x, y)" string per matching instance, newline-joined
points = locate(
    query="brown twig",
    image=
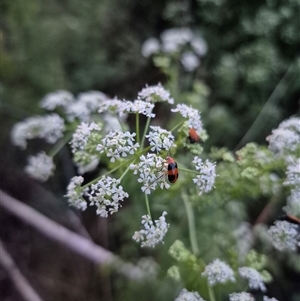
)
(73, 241)
(20, 282)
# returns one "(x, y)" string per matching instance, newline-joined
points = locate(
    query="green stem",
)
(191, 222)
(137, 127)
(61, 143)
(211, 293)
(177, 126)
(147, 205)
(145, 131)
(121, 124)
(109, 172)
(188, 170)
(124, 173)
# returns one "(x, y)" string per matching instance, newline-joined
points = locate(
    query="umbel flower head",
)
(192, 115)
(155, 94)
(40, 167)
(117, 144)
(151, 170)
(243, 296)
(218, 272)
(284, 235)
(285, 139)
(47, 127)
(254, 278)
(106, 195)
(185, 295)
(153, 232)
(207, 174)
(160, 139)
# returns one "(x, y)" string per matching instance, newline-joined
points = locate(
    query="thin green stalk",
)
(191, 222)
(177, 126)
(188, 170)
(121, 124)
(211, 293)
(109, 172)
(137, 127)
(124, 173)
(145, 131)
(147, 205)
(61, 143)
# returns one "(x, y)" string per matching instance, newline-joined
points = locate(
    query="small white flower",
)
(56, 99)
(173, 39)
(81, 135)
(150, 46)
(75, 193)
(205, 180)
(115, 106)
(86, 104)
(160, 139)
(254, 278)
(286, 137)
(106, 195)
(142, 107)
(199, 45)
(218, 272)
(244, 239)
(155, 93)
(293, 203)
(189, 61)
(40, 167)
(192, 115)
(185, 295)
(243, 296)
(48, 127)
(151, 169)
(92, 165)
(284, 235)
(266, 298)
(117, 144)
(293, 173)
(153, 232)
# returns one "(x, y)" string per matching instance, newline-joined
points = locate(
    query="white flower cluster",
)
(205, 180)
(155, 93)
(293, 203)
(81, 135)
(243, 296)
(218, 272)
(185, 295)
(151, 169)
(175, 40)
(40, 167)
(48, 127)
(286, 137)
(87, 103)
(254, 278)
(192, 115)
(117, 144)
(293, 173)
(160, 139)
(60, 98)
(81, 108)
(123, 107)
(153, 232)
(266, 298)
(106, 195)
(142, 107)
(285, 235)
(75, 193)
(115, 106)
